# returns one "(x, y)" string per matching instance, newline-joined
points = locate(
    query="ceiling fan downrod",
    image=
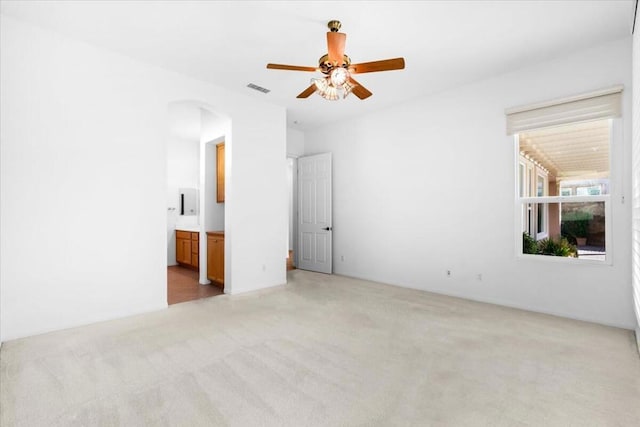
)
(334, 25)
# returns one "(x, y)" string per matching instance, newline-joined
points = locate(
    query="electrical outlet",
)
(448, 273)
(341, 258)
(479, 277)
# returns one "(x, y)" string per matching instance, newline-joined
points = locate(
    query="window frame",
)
(545, 207)
(615, 139)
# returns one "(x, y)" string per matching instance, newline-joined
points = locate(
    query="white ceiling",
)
(444, 43)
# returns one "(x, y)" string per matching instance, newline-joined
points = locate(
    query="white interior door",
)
(314, 213)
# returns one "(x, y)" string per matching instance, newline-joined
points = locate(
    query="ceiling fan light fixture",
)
(330, 93)
(321, 84)
(347, 87)
(339, 76)
(333, 87)
(324, 88)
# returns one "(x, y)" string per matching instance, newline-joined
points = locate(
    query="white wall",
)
(83, 133)
(636, 178)
(255, 255)
(428, 186)
(291, 210)
(214, 131)
(295, 143)
(295, 149)
(183, 166)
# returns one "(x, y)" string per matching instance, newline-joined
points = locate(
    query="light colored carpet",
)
(325, 351)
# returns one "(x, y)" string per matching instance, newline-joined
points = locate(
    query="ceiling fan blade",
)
(335, 46)
(307, 92)
(384, 65)
(290, 67)
(359, 90)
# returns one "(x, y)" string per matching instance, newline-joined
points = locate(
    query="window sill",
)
(564, 260)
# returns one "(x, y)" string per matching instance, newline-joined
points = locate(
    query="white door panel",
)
(314, 213)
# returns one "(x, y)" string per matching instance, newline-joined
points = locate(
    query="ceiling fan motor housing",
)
(326, 66)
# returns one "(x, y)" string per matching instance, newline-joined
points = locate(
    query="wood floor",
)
(290, 265)
(182, 285)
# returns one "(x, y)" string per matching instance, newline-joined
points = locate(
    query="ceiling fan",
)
(338, 69)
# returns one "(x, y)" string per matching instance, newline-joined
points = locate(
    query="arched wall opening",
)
(195, 129)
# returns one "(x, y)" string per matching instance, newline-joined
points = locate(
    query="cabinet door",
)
(215, 259)
(218, 260)
(195, 250)
(180, 250)
(187, 251)
(220, 172)
(195, 257)
(183, 251)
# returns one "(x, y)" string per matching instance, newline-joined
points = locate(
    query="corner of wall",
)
(295, 143)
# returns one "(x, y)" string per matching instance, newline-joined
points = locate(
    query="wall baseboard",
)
(638, 339)
(495, 301)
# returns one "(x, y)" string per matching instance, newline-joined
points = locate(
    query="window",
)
(521, 175)
(542, 209)
(564, 194)
(532, 182)
(541, 187)
(563, 174)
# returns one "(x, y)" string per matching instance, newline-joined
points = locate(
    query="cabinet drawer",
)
(183, 234)
(194, 236)
(195, 247)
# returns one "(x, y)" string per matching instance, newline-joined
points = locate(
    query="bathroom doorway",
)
(190, 211)
(183, 285)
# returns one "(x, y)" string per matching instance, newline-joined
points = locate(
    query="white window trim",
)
(545, 211)
(615, 142)
(566, 199)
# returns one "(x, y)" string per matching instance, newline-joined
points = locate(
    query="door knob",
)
(328, 228)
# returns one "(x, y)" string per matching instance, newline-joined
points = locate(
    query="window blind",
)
(597, 105)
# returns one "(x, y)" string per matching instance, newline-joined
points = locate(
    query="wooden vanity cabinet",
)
(215, 257)
(220, 172)
(188, 248)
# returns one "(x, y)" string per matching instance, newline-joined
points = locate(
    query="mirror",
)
(188, 202)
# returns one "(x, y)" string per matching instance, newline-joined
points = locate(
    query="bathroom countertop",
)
(193, 229)
(221, 232)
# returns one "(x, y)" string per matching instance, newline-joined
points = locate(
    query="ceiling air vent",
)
(258, 88)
